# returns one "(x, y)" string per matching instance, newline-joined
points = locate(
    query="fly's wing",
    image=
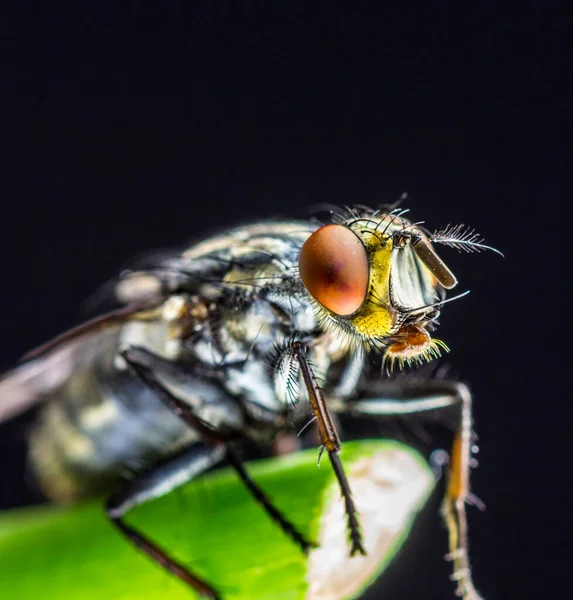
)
(137, 292)
(29, 383)
(47, 367)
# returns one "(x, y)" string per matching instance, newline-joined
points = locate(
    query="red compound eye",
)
(334, 268)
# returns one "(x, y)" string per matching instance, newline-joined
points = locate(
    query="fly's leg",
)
(274, 513)
(427, 397)
(330, 442)
(156, 483)
(145, 364)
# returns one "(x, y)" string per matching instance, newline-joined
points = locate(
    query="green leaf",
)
(215, 527)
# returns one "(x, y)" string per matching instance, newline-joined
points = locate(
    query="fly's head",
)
(375, 278)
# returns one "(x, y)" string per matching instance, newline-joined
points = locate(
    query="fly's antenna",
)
(461, 238)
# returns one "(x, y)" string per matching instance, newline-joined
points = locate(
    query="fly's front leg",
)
(147, 366)
(433, 396)
(330, 442)
(157, 483)
(457, 494)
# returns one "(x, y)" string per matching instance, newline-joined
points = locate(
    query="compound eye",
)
(333, 266)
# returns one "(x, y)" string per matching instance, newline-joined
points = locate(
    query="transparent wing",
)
(47, 367)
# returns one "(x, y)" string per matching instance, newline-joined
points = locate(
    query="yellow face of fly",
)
(378, 280)
(375, 318)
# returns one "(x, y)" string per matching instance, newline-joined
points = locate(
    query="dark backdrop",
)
(126, 129)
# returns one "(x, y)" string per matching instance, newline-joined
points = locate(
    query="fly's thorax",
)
(253, 324)
(162, 330)
(254, 273)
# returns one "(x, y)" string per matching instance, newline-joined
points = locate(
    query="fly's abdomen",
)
(100, 426)
(102, 423)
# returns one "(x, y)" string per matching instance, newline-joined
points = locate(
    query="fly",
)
(223, 345)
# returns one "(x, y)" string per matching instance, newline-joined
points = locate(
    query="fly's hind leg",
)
(409, 398)
(147, 366)
(158, 482)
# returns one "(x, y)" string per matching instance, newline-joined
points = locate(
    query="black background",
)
(142, 126)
